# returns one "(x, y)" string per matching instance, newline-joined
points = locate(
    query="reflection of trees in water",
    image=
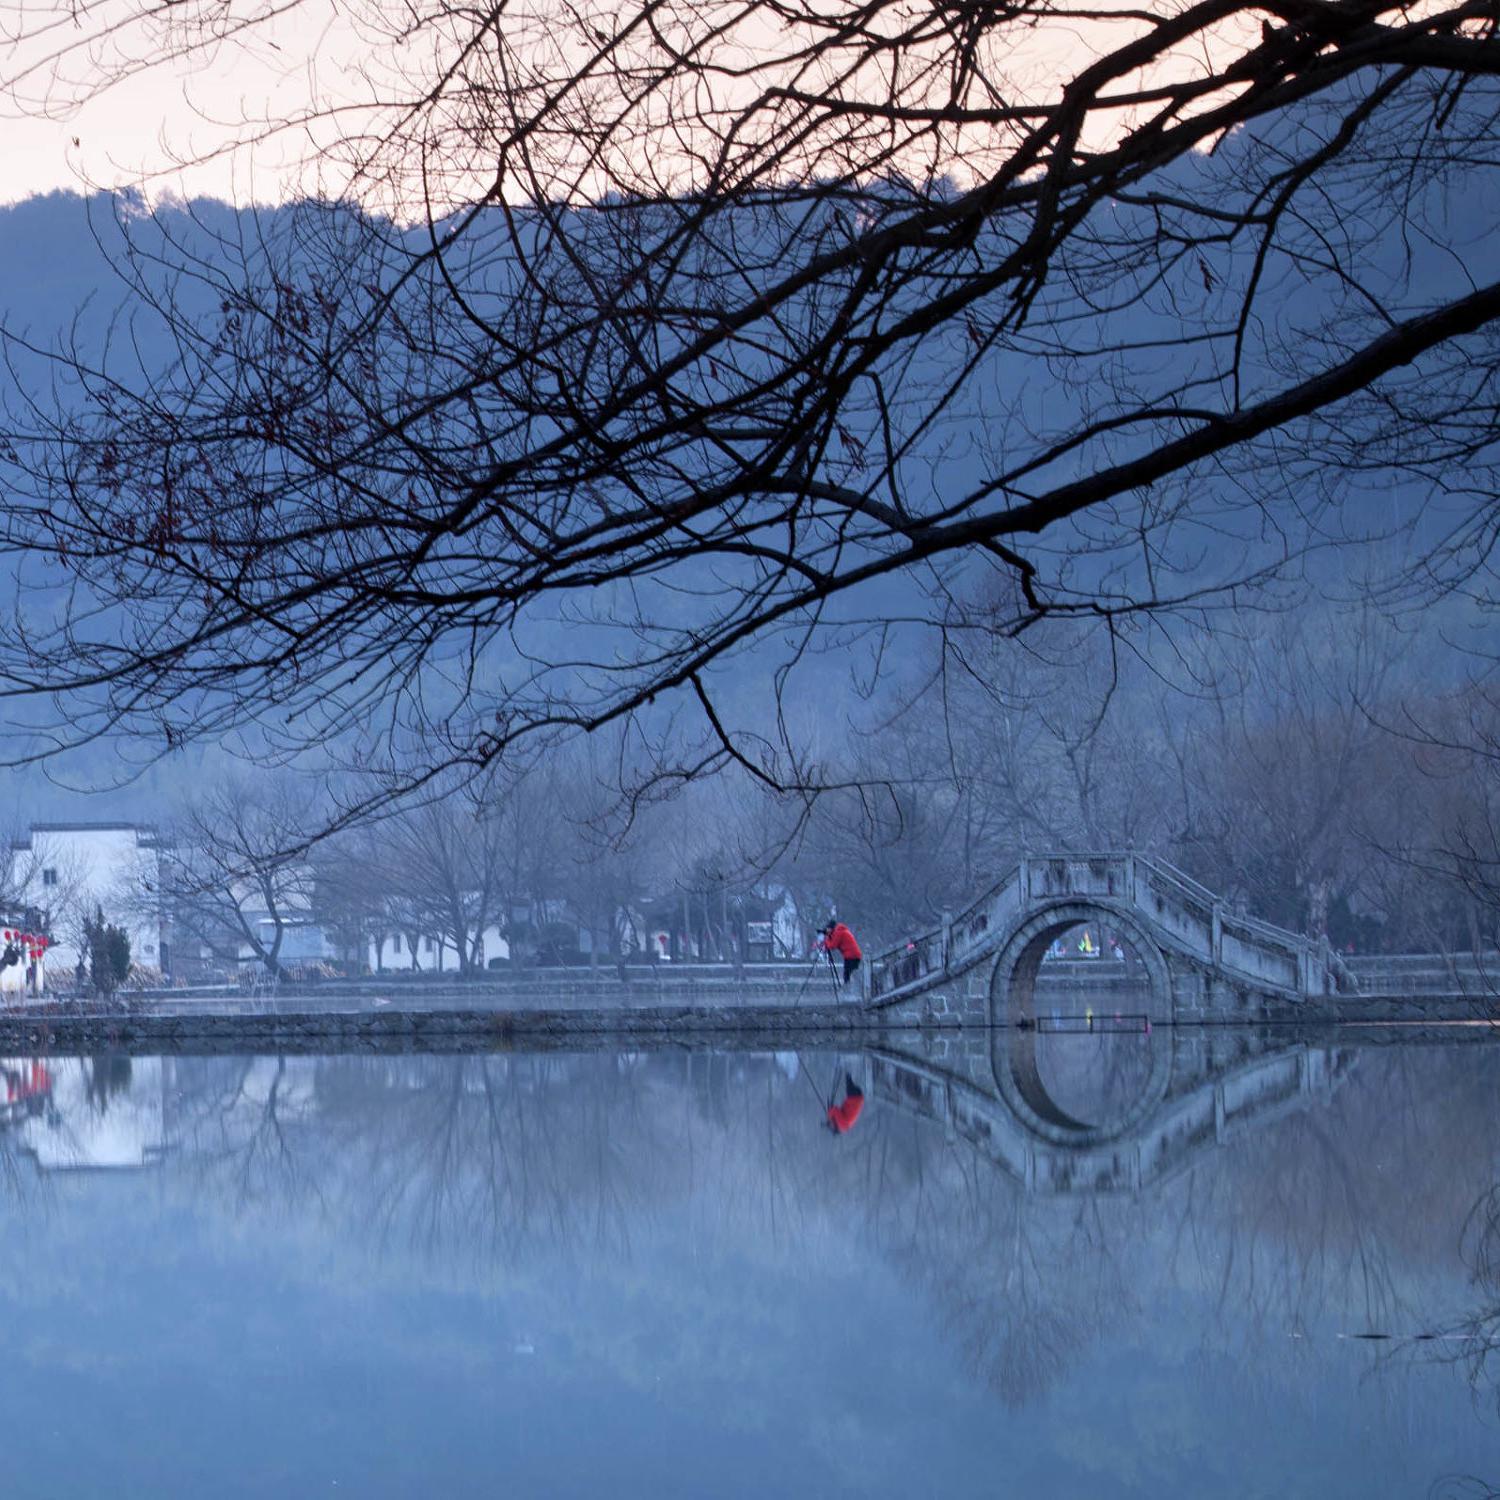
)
(1032, 1302)
(18, 1178)
(429, 1150)
(1341, 1215)
(1475, 1339)
(505, 1162)
(1093, 1078)
(109, 1074)
(1393, 1195)
(496, 1157)
(1021, 1288)
(231, 1123)
(1343, 1211)
(1303, 1234)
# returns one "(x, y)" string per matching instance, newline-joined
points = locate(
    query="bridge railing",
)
(1176, 902)
(1258, 948)
(1476, 975)
(976, 926)
(906, 964)
(1192, 913)
(1169, 877)
(1197, 916)
(1077, 875)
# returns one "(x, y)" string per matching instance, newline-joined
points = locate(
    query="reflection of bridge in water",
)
(1200, 957)
(1198, 1091)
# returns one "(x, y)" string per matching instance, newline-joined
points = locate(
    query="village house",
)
(430, 953)
(67, 871)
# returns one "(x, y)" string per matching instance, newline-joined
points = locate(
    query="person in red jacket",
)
(838, 939)
(841, 1117)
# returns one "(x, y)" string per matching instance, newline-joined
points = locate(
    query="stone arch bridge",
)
(1196, 958)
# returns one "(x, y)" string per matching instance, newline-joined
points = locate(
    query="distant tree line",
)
(1310, 767)
(1310, 770)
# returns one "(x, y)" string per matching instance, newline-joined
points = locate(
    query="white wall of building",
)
(434, 955)
(74, 868)
(302, 940)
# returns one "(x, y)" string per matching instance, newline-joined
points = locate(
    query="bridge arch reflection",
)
(1218, 1090)
(1018, 1044)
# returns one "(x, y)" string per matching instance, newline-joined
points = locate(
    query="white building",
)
(70, 870)
(434, 955)
(303, 941)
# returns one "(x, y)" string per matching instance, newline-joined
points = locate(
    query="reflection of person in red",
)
(841, 1117)
(838, 939)
(29, 1088)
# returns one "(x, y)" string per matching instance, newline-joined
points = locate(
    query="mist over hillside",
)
(76, 271)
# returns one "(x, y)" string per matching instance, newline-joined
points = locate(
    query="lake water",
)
(658, 1273)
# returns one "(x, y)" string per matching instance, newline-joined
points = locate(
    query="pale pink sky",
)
(112, 140)
(123, 135)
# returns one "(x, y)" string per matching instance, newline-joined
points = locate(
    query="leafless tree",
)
(1293, 768)
(1450, 835)
(674, 343)
(996, 746)
(350, 896)
(612, 857)
(231, 884)
(442, 868)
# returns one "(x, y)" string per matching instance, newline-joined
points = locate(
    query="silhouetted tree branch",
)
(651, 355)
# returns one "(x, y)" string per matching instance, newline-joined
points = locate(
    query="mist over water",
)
(658, 1273)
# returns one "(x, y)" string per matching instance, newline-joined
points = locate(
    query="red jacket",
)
(841, 940)
(844, 1115)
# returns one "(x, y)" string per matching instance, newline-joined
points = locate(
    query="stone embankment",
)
(213, 1028)
(294, 1025)
(687, 1005)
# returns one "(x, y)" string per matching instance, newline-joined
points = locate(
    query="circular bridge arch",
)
(1014, 1034)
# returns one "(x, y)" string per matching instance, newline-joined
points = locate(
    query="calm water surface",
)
(658, 1274)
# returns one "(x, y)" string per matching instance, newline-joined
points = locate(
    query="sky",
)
(52, 137)
(57, 130)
